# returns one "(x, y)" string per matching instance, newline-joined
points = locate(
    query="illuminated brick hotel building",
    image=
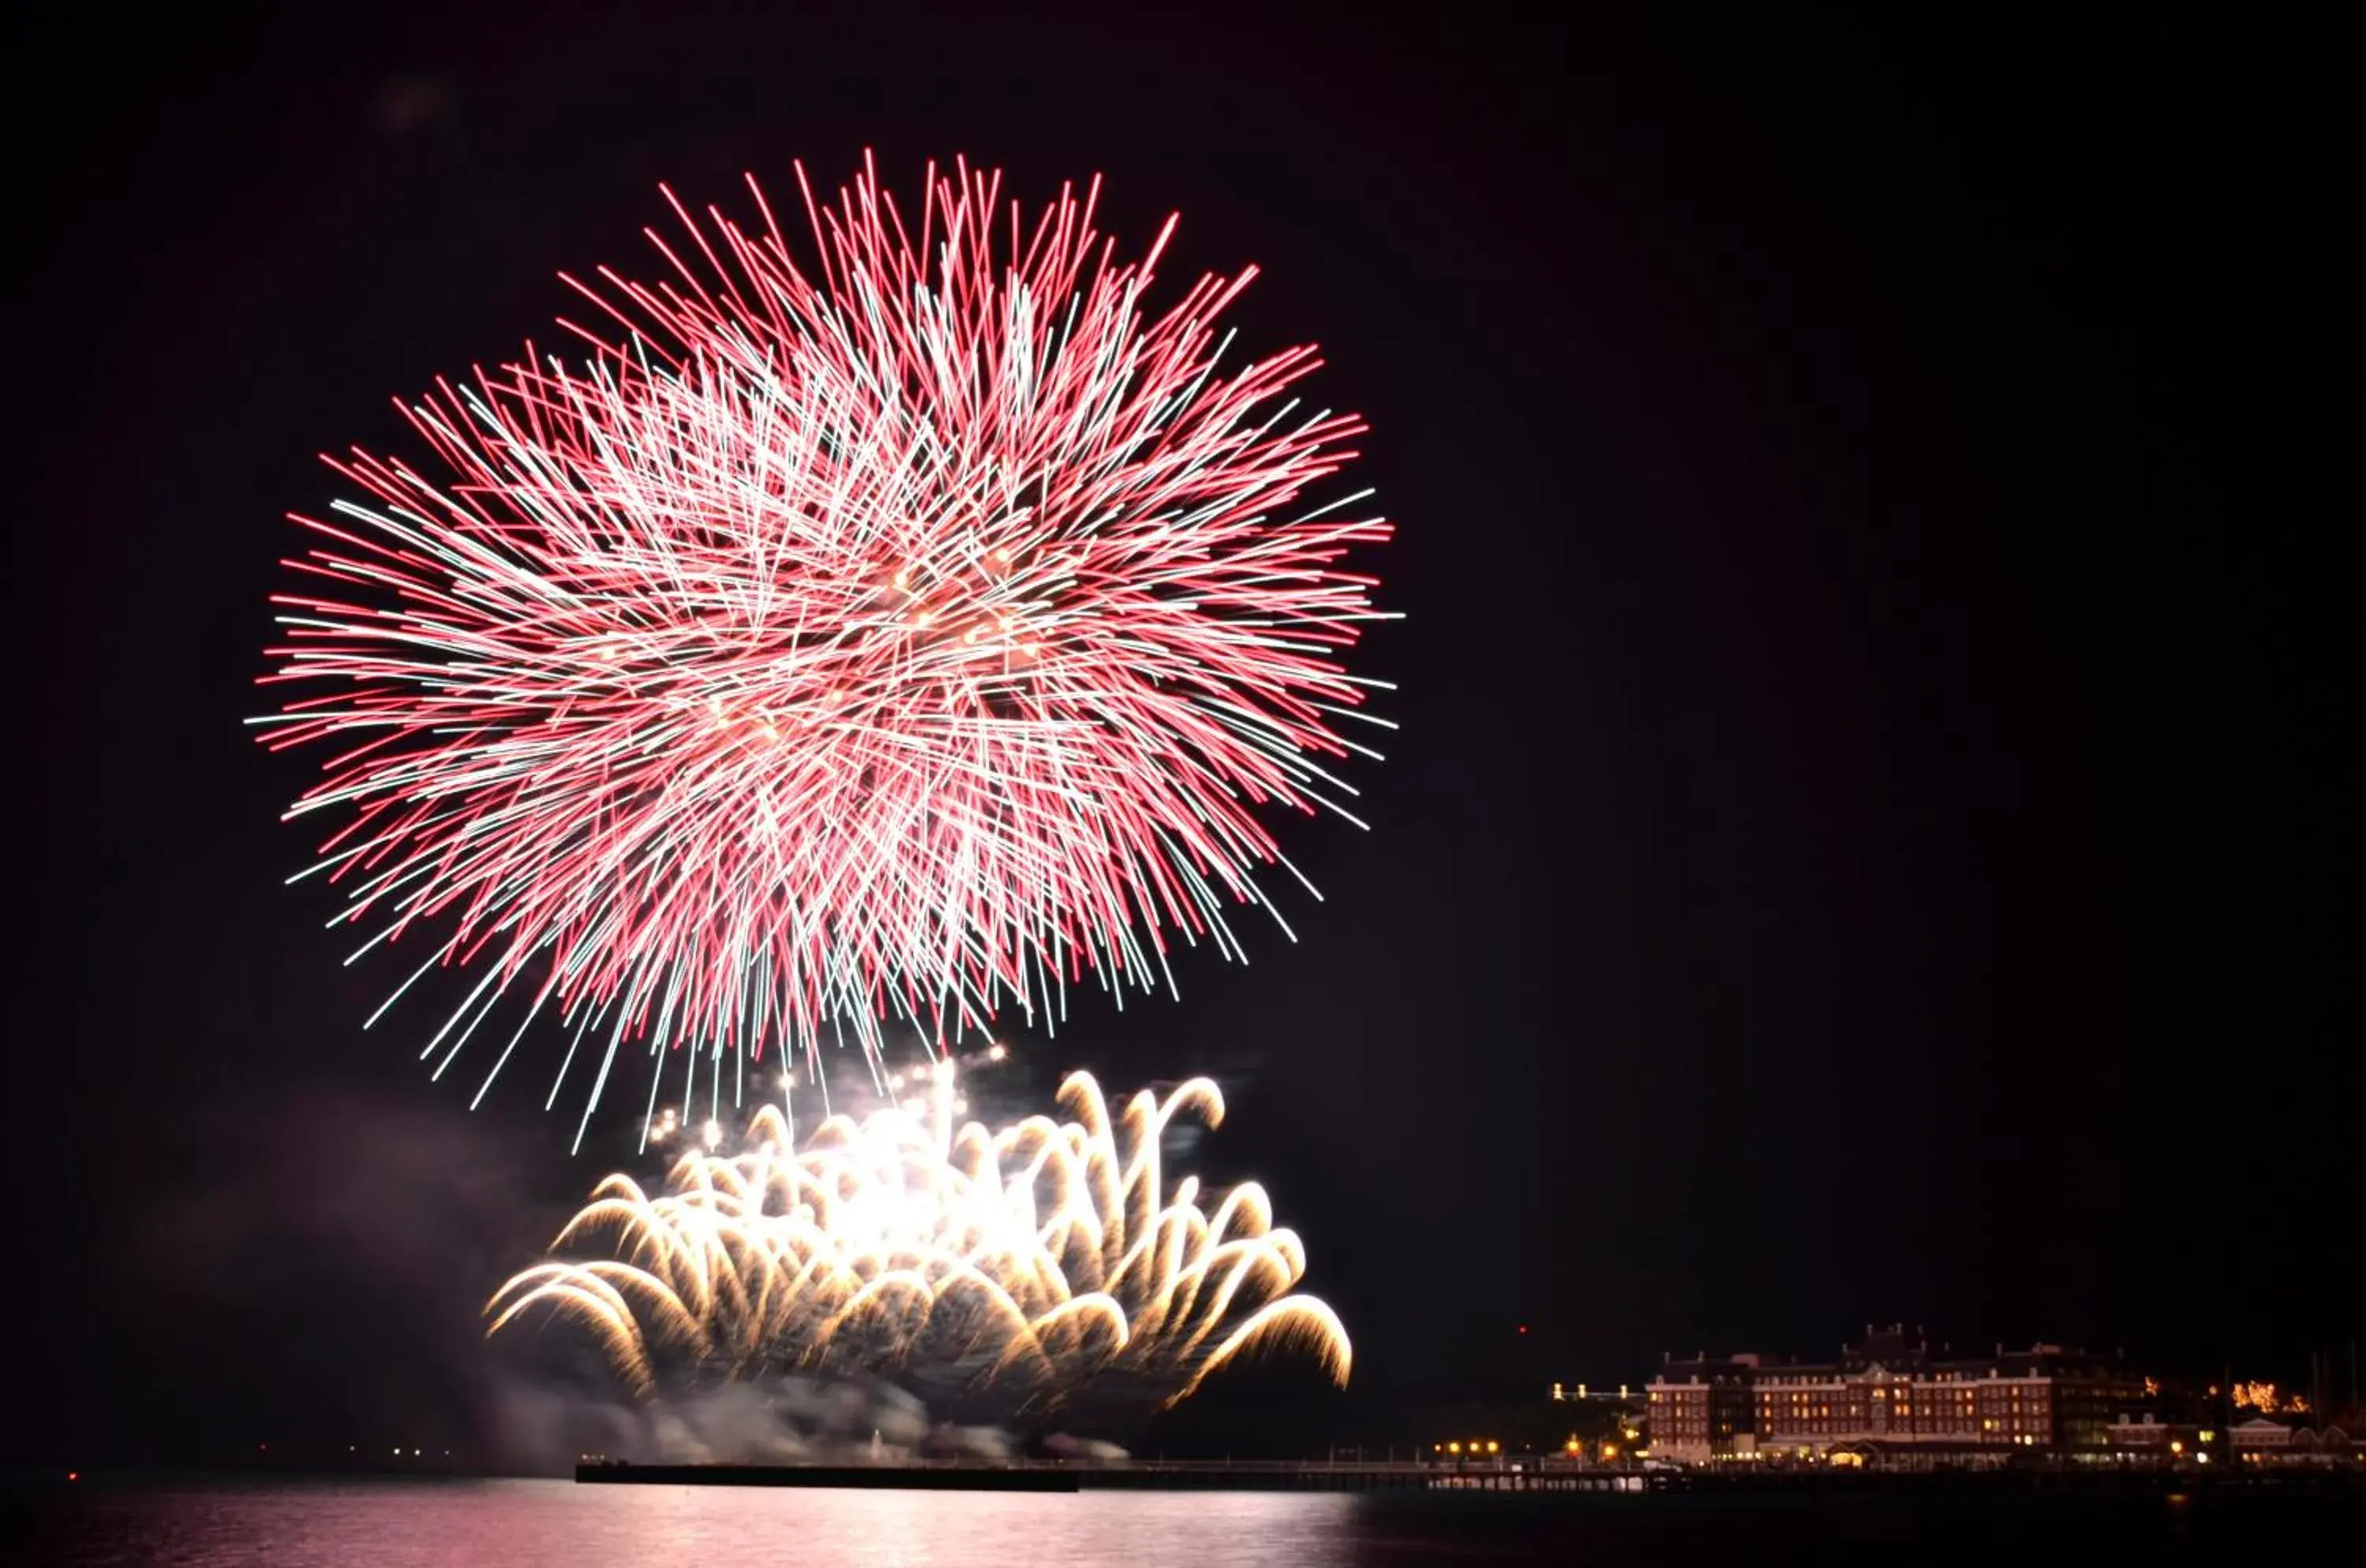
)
(1890, 1399)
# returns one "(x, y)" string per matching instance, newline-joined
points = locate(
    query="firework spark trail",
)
(891, 641)
(1041, 1259)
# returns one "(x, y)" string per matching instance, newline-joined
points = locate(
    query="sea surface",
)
(556, 1524)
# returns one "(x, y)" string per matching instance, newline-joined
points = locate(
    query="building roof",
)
(1891, 1353)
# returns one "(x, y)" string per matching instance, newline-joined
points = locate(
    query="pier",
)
(1142, 1475)
(1507, 1480)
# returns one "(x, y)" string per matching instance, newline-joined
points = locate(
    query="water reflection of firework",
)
(1038, 1259)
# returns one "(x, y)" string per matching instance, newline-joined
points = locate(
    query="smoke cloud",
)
(791, 1420)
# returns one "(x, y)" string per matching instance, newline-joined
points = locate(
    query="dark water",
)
(531, 1524)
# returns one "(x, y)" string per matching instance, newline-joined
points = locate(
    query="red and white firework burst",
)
(891, 639)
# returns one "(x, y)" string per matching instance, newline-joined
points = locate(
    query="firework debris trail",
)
(826, 650)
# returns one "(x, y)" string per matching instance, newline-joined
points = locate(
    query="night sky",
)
(1865, 838)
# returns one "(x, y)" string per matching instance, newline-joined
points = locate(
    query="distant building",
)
(1888, 1399)
(1700, 1409)
(2261, 1441)
(2325, 1446)
(2145, 1439)
(2264, 1442)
